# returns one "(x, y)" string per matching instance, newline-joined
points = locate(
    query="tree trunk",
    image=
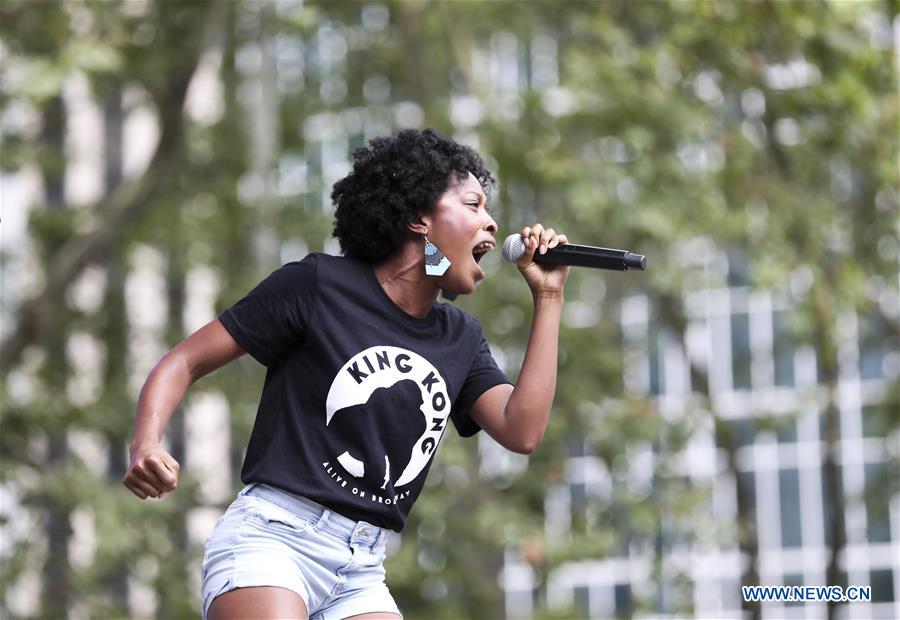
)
(826, 348)
(59, 530)
(113, 329)
(672, 314)
(175, 576)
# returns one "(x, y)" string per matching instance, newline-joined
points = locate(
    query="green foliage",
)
(668, 124)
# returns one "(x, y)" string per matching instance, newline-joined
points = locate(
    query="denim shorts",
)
(269, 537)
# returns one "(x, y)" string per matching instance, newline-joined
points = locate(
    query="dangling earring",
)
(436, 264)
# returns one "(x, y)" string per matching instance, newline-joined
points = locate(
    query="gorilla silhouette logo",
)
(368, 445)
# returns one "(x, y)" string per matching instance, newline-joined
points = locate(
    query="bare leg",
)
(267, 602)
(377, 615)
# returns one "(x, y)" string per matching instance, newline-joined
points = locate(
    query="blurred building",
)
(736, 335)
(756, 373)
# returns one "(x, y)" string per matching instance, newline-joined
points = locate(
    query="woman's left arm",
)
(517, 417)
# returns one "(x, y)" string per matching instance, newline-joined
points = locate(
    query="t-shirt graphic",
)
(388, 406)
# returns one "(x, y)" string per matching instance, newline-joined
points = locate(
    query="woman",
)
(363, 370)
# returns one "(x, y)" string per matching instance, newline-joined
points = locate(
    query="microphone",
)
(576, 255)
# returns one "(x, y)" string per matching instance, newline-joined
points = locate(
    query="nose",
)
(490, 225)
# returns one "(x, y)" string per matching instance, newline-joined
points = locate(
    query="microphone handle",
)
(590, 256)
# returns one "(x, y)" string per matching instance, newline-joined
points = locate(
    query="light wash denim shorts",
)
(269, 537)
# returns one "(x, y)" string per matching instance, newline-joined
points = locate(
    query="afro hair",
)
(394, 180)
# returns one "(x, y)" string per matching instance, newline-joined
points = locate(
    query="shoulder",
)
(336, 269)
(301, 271)
(459, 320)
(320, 264)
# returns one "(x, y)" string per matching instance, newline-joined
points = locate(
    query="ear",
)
(420, 225)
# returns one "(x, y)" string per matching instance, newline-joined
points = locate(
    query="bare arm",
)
(152, 471)
(517, 417)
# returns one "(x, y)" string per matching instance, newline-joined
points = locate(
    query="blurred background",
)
(729, 417)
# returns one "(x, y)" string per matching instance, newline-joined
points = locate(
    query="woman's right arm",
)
(152, 471)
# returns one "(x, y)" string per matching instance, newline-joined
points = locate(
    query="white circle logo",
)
(378, 381)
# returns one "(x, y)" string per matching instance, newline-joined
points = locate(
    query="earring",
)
(436, 264)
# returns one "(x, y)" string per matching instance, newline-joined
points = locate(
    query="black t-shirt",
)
(358, 392)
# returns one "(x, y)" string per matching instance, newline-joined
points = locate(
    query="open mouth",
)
(481, 249)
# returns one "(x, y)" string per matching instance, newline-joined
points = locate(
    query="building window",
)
(657, 379)
(583, 599)
(742, 431)
(876, 420)
(789, 496)
(877, 502)
(882, 582)
(786, 429)
(794, 579)
(738, 269)
(783, 349)
(622, 594)
(873, 347)
(740, 351)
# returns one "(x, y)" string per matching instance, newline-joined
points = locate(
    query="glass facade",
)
(762, 382)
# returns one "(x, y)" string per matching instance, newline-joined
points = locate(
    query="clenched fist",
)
(152, 472)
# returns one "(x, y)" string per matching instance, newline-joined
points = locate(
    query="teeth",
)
(481, 249)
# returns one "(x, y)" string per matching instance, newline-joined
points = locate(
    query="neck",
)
(402, 276)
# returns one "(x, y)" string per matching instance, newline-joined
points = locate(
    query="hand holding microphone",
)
(544, 282)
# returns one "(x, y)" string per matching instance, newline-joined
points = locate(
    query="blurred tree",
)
(686, 131)
(153, 55)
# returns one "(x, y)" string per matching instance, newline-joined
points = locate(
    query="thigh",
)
(258, 602)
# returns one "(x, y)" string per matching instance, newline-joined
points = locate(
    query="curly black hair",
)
(395, 179)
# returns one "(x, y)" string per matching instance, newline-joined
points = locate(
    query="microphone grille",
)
(513, 248)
